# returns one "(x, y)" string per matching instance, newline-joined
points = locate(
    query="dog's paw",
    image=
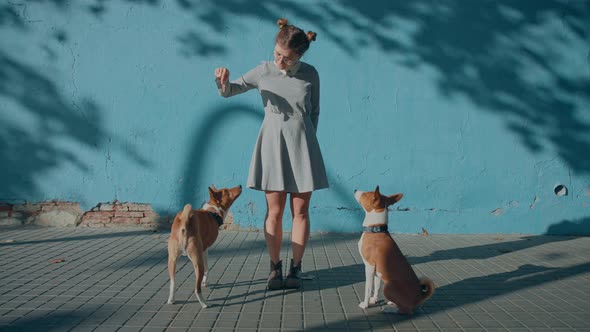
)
(363, 305)
(374, 300)
(170, 302)
(204, 283)
(391, 303)
(204, 305)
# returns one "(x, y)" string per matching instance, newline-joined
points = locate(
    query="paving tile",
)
(485, 282)
(246, 323)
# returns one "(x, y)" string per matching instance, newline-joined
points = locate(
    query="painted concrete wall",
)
(475, 110)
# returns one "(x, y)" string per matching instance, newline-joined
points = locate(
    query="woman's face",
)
(285, 57)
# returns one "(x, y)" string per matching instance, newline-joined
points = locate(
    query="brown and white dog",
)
(384, 260)
(194, 231)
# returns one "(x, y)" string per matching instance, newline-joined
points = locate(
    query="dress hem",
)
(288, 191)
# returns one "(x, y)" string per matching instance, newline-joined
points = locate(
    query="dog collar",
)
(375, 218)
(217, 217)
(375, 229)
(219, 214)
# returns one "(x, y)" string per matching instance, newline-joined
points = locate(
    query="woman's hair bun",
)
(282, 22)
(311, 36)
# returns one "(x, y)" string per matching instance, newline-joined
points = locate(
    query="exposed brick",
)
(124, 220)
(59, 206)
(17, 215)
(95, 221)
(96, 217)
(106, 207)
(110, 214)
(129, 214)
(100, 214)
(151, 214)
(68, 204)
(145, 221)
(27, 208)
(138, 207)
(112, 206)
(121, 208)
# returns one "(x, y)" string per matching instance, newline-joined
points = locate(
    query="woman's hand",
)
(222, 74)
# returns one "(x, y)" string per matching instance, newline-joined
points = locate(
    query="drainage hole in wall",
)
(560, 190)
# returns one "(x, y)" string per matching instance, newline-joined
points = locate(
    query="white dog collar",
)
(217, 209)
(375, 218)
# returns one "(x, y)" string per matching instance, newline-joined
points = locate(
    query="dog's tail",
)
(427, 289)
(184, 219)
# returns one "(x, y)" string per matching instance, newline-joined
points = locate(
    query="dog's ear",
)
(392, 199)
(214, 194)
(376, 194)
(213, 186)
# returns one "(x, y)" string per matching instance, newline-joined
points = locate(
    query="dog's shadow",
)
(321, 279)
(256, 293)
(451, 295)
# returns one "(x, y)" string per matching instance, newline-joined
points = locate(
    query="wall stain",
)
(532, 206)
(497, 212)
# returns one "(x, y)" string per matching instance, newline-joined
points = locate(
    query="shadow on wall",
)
(505, 63)
(205, 132)
(27, 152)
(32, 143)
(567, 227)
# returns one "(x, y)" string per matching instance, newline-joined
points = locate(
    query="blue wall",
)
(475, 110)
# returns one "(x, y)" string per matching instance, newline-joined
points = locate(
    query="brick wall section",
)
(41, 213)
(51, 213)
(121, 214)
(111, 214)
(5, 210)
(19, 211)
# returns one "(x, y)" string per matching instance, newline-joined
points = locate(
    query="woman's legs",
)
(273, 233)
(300, 231)
(273, 223)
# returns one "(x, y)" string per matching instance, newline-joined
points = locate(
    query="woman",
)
(287, 160)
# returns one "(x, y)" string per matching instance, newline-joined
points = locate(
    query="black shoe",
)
(294, 277)
(275, 279)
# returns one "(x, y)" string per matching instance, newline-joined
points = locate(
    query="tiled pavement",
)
(116, 280)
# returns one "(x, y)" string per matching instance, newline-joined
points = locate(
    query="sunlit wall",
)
(475, 110)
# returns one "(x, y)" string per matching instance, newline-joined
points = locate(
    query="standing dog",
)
(384, 260)
(194, 231)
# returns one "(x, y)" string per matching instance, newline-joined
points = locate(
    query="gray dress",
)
(287, 155)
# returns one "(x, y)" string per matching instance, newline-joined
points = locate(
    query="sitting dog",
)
(384, 260)
(194, 231)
